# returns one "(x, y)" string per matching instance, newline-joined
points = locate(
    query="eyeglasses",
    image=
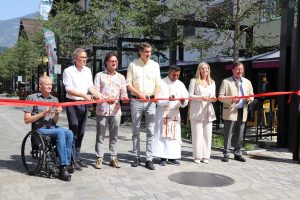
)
(81, 57)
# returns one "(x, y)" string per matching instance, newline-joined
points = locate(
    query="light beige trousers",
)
(201, 138)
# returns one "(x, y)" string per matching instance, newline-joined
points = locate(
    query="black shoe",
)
(63, 174)
(163, 162)
(70, 169)
(82, 164)
(239, 158)
(136, 162)
(77, 166)
(225, 159)
(173, 162)
(149, 165)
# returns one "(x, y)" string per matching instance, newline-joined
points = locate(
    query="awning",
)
(265, 64)
(229, 66)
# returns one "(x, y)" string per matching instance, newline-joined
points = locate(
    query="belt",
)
(147, 97)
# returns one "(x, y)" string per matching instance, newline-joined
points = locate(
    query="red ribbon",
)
(15, 102)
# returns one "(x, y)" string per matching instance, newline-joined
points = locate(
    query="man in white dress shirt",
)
(167, 131)
(78, 83)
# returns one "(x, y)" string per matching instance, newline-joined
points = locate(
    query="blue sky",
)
(10, 9)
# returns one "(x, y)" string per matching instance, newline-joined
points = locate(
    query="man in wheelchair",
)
(44, 120)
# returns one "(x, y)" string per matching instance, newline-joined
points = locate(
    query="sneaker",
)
(136, 162)
(173, 162)
(70, 169)
(163, 162)
(98, 164)
(197, 161)
(239, 158)
(82, 164)
(205, 161)
(149, 165)
(63, 174)
(77, 166)
(115, 163)
(225, 158)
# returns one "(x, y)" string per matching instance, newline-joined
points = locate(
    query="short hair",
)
(144, 45)
(109, 55)
(174, 67)
(237, 63)
(43, 77)
(77, 52)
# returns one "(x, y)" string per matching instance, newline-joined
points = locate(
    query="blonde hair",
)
(198, 76)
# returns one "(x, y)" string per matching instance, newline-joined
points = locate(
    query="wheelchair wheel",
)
(33, 152)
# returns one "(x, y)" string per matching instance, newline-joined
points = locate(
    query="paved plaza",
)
(269, 174)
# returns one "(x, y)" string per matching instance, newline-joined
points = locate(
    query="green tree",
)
(104, 21)
(22, 59)
(8, 65)
(239, 16)
(70, 25)
(28, 55)
(226, 25)
(126, 18)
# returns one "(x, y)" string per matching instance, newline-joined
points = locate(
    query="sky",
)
(10, 9)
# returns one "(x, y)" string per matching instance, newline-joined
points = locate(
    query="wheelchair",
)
(39, 154)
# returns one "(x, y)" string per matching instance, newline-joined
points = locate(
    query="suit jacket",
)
(229, 87)
(201, 110)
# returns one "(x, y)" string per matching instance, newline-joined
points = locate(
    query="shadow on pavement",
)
(273, 159)
(15, 164)
(90, 158)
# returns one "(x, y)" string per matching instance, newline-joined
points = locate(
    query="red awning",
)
(228, 67)
(265, 64)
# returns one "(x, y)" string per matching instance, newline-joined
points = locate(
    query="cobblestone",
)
(268, 174)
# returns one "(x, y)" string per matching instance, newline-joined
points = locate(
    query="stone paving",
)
(270, 174)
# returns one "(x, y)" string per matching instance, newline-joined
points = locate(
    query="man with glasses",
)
(143, 78)
(78, 83)
(112, 86)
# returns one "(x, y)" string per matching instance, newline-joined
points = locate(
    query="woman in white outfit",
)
(201, 91)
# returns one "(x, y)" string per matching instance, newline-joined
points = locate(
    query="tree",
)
(226, 25)
(231, 22)
(71, 26)
(126, 18)
(23, 58)
(240, 16)
(8, 65)
(28, 53)
(103, 22)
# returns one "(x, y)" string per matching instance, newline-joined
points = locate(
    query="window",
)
(219, 11)
(271, 10)
(188, 30)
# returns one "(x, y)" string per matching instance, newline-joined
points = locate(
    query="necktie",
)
(241, 93)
